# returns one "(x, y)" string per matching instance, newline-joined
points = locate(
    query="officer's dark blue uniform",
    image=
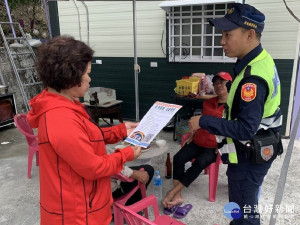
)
(245, 177)
(245, 174)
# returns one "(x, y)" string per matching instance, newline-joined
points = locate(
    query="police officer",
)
(252, 106)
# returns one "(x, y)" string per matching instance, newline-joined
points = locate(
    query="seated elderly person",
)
(121, 188)
(200, 146)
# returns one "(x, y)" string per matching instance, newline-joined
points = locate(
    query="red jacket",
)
(202, 137)
(74, 167)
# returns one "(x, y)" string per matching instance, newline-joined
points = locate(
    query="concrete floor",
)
(19, 196)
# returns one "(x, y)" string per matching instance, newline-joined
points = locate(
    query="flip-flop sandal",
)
(170, 211)
(182, 211)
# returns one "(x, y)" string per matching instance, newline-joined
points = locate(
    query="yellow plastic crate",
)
(186, 86)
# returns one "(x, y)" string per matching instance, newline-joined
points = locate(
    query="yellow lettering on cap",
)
(230, 11)
(250, 24)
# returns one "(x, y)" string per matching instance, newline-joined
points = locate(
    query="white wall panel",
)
(111, 27)
(280, 33)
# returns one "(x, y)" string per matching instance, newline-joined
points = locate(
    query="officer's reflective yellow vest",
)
(264, 67)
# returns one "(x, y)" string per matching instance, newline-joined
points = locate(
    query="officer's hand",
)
(137, 151)
(194, 123)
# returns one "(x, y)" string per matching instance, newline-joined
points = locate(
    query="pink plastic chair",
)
(133, 218)
(118, 217)
(23, 126)
(212, 170)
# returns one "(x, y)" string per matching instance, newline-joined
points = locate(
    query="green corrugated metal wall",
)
(157, 84)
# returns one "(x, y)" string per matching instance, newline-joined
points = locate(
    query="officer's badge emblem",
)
(267, 152)
(230, 11)
(248, 92)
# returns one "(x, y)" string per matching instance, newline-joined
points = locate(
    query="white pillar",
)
(292, 104)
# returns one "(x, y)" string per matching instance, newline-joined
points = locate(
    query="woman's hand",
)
(194, 123)
(130, 127)
(137, 151)
(141, 176)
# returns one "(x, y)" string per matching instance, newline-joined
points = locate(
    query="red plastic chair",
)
(118, 217)
(212, 170)
(133, 218)
(23, 126)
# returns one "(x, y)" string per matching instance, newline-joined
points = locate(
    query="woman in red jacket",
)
(74, 167)
(201, 145)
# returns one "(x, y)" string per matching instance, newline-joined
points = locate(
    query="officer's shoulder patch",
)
(248, 92)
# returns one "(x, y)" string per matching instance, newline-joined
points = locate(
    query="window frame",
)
(185, 51)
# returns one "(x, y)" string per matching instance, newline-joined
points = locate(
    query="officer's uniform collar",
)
(240, 64)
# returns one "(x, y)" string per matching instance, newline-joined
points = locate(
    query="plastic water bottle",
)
(157, 189)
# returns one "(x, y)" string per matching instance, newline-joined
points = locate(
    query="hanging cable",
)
(78, 19)
(291, 12)
(161, 41)
(88, 22)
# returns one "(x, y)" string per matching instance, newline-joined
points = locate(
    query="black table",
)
(111, 112)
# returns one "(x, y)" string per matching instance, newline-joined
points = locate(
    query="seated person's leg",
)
(128, 186)
(174, 196)
(205, 157)
(148, 168)
(138, 195)
(185, 154)
(117, 193)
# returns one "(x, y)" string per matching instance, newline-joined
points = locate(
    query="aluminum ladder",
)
(22, 59)
(2, 82)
